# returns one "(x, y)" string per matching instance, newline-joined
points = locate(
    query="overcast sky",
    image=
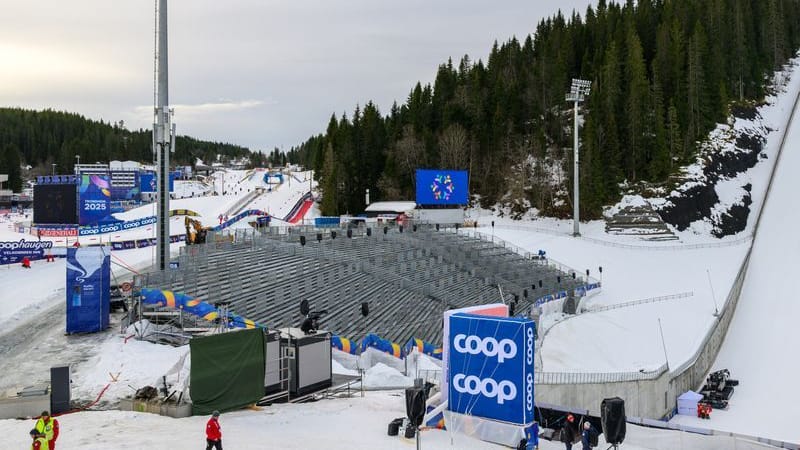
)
(259, 73)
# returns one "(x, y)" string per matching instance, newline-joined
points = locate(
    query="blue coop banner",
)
(491, 367)
(94, 199)
(88, 289)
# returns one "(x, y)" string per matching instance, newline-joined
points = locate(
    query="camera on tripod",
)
(310, 324)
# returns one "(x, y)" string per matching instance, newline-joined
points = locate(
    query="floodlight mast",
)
(578, 92)
(163, 139)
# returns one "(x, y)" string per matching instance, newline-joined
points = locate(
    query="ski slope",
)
(761, 347)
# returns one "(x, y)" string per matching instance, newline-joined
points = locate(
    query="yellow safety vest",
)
(43, 444)
(46, 429)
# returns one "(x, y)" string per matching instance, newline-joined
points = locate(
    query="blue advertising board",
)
(88, 289)
(442, 187)
(94, 199)
(116, 226)
(491, 367)
(149, 181)
(12, 252)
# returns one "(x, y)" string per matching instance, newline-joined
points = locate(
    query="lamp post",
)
(578, 92)
(78, 157)
(54, 168)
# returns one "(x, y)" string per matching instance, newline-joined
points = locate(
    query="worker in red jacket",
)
(26, 262)
(213, 432)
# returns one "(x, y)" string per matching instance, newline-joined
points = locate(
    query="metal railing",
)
(597, 377)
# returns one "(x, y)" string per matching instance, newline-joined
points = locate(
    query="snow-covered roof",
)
(398, 207)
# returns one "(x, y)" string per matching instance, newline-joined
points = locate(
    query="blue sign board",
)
(149, 181)
(94, 202)
(116, 227)
(12, 252)
(491, 367)
(88, 289)
(442, 187)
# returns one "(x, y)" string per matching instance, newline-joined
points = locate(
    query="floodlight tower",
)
(578, 92)
(163, 138)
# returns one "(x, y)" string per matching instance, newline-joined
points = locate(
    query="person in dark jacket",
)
(586, 436)
(569, 432)
(213, 432)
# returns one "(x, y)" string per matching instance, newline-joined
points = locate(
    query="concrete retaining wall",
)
(653, 395)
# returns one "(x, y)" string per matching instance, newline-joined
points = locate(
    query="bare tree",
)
(454, 147)
(409, 153)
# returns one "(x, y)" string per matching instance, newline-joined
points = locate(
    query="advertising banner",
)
(442, 187)
(115, 227)
(149, 181)
(46, 231)
(94, 199)
(12, 252)
(88, 289)
(491, 367)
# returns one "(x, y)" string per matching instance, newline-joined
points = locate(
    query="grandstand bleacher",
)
(408, 277)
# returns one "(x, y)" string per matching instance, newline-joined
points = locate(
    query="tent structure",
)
(687, 403)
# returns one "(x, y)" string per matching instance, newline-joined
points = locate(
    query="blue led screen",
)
(442, 187)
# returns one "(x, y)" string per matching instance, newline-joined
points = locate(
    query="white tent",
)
(687, 403)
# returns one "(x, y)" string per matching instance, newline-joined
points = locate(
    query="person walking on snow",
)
(213, 432)
(48, 426)
(586, 436)
(569, 432)
(39, 441)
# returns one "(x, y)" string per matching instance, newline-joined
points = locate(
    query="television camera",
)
(310, 324)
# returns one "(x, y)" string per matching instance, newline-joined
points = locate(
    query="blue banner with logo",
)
(116, 227)
(491, 367)
(94, 201)
(12, 252)
(88, 289)
(149, 181)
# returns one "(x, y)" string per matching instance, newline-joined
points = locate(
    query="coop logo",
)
(489, 346)
(22, 244)
(529, 377)
(470, 384)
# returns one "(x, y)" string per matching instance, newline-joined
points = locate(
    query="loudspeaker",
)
(414, 228)
(400, 228)
(60, 396)
(364, 309)
(415, 405)
(333, 235)
(319, 237)
(612, 418)
(349, 233)
(385, 230)
(369, 231)
(302, 240)
(437, 227)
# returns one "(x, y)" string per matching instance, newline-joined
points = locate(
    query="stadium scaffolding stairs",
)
(408, 278)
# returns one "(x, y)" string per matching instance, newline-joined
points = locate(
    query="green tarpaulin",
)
(227, 371)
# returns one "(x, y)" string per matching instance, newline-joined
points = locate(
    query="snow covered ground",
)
(761, 347)
(352, 424)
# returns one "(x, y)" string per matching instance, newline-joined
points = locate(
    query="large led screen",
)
(442, 187)
(55, 203)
